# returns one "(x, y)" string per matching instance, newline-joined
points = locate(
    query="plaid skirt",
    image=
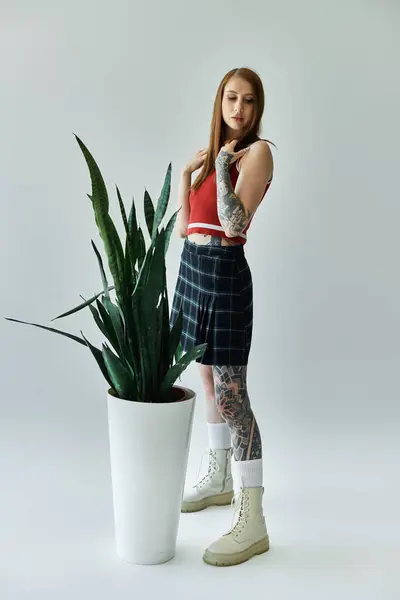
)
(215, 291)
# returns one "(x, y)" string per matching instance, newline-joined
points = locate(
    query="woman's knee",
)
(228, 404)
(231, 392)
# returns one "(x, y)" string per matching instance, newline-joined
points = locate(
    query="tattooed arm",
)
(232, 213)
(236, 207)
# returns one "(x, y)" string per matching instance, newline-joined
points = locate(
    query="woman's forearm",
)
(232, 214)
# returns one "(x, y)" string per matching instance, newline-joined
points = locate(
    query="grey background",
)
(136, 81)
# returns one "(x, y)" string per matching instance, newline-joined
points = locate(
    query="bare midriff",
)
(210, 240)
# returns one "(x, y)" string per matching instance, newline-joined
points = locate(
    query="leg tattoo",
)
(234, 405)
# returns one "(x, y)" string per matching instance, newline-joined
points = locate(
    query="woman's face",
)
(237, 101)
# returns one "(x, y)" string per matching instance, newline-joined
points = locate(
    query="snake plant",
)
(142, 357)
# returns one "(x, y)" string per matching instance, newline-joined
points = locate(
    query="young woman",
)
(214, 291)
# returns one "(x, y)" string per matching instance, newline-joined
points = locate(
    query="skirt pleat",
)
(215, 292)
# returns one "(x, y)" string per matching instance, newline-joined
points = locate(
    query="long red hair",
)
(251, 132)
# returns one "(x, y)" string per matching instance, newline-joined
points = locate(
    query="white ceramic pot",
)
(149, 448)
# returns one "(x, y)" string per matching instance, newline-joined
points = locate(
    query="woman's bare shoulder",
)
(262, 146)
(262, 150)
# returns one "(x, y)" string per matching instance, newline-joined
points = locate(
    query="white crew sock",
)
(219, 436)
(249, 473)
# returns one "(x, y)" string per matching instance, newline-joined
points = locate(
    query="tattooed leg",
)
(234, 405)
(232, 214)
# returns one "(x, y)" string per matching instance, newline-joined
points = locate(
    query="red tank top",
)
(203, 215)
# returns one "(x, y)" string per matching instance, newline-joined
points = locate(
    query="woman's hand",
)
(227, 154)
(197, 161)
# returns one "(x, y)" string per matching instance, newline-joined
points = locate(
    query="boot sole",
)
(218, 500)
(229, 560)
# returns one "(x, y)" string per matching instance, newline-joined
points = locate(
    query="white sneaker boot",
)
(248, 536)
(216, 488)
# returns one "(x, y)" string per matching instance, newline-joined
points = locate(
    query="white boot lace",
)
(212, 468)
(242, 505)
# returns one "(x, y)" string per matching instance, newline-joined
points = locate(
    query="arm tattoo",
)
(231, 212)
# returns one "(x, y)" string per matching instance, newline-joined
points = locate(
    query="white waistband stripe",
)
(216, 227)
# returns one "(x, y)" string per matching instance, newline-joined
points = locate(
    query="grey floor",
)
(331, 513)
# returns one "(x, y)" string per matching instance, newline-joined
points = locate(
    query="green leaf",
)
(106, 227)
(179, 352)
(148, 212)
(129, 271)
(143, 272)
(112, 328)
(123, 212)
(129, 266)
(99, 359)
(155, 280)
(140, 345)
(175, 336)
(133, 345)
(162, 201)
(139, 302)
(132, 222)
(151, 296)
(109, 335)
(98, 321)
(145, 297)
(141, 254)
(103, 274)
(133, 238)
(117, 325)
(162, 339)
(95, 351)
(64, 333)
(108, 325)
(175, 371)
(140, 323)
(159, 321)
(115, 254)
(164, 329)
(121, 379)
(113, 333)
(81, 306)
(169, 229)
